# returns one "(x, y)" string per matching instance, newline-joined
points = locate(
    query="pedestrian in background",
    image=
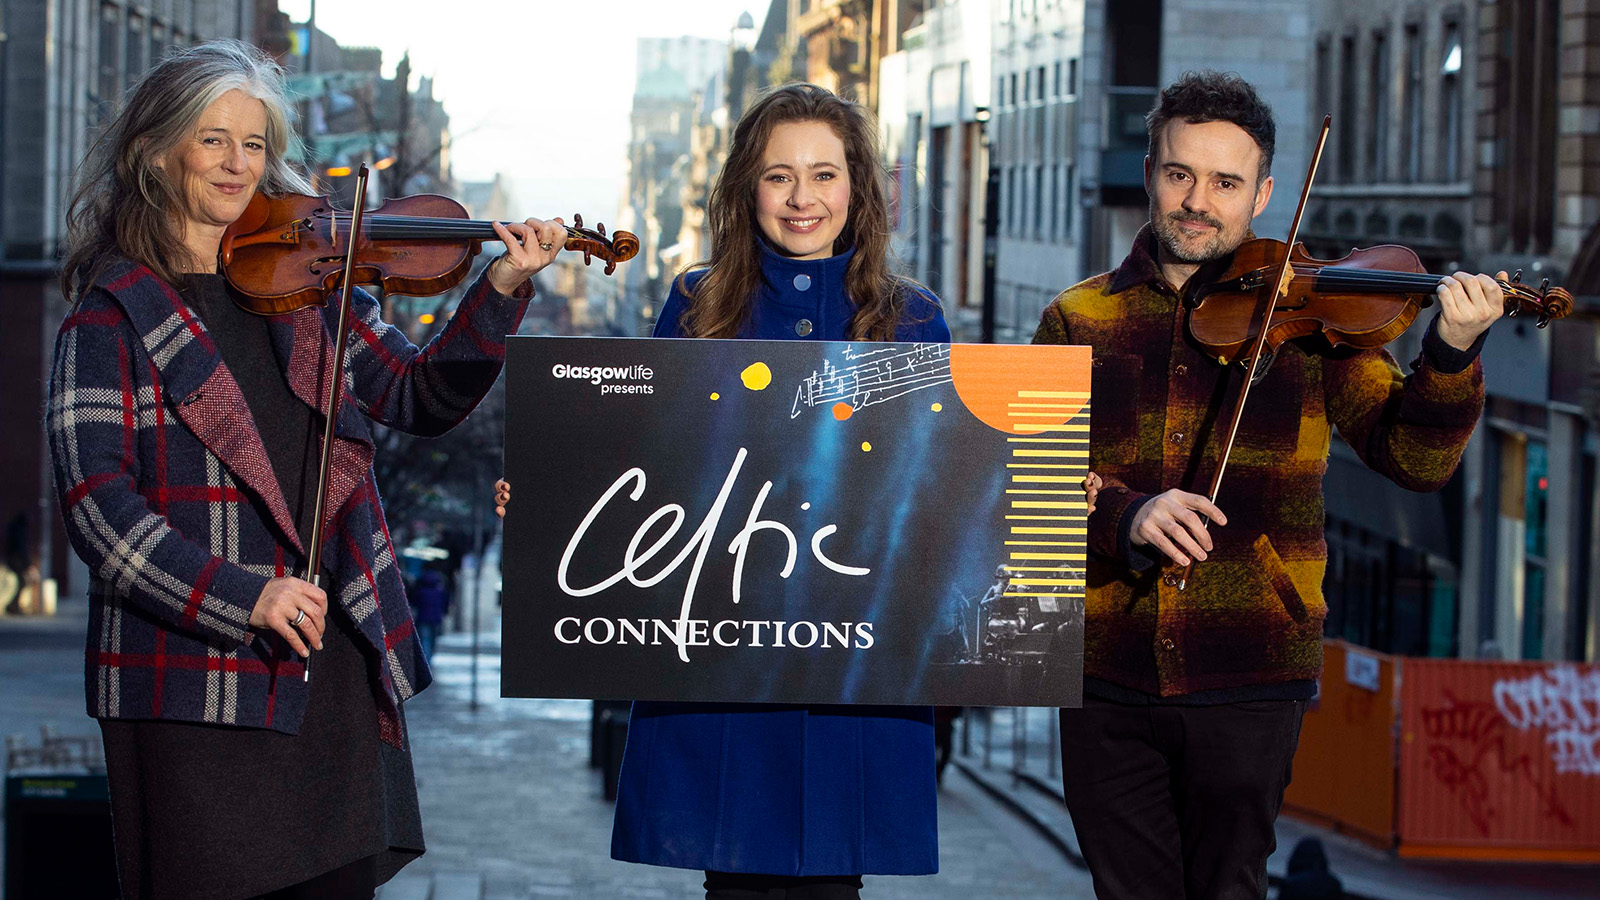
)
(430, 600)
(185, 437)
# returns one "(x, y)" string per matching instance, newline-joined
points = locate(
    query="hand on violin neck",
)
(1171, 523)
(1468, 305)
(526, 252)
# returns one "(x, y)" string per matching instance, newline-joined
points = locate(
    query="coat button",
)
(1181, 370)
(802, 327)
(1170, 580)
(802, 282)
(1177, 437)
(1167, 644)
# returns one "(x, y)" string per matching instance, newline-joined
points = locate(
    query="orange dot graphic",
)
(842, 411)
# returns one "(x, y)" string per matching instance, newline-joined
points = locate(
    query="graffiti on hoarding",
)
(1566, 705)
(1468, 743)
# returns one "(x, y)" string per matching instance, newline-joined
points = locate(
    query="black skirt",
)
(212, 812)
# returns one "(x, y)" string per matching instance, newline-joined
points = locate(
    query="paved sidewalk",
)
(509, 806)
(511, 810)
(1368, 873)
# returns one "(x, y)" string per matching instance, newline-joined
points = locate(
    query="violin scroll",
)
(619, 246)
(1545, 302)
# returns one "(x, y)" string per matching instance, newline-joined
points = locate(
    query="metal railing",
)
(1024, 741)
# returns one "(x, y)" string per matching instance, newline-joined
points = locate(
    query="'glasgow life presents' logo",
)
(605, 377)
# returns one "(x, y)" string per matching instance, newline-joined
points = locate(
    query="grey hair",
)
(124, 203)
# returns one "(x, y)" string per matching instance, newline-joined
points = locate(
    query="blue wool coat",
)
(775, 789)
(168, 495)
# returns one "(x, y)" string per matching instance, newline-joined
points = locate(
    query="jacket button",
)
(802, 327)
(1177, 437)
(802, 282)
(1181, 370)
(1170, 580)
(1167, 644)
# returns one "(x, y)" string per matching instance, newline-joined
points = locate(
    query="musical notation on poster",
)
(873, 376)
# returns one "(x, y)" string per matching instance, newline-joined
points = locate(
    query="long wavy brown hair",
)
(125, 204)
(719, 304)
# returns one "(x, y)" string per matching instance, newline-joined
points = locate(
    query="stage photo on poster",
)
(795, 521)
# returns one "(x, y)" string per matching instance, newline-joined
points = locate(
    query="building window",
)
(1067, 206)
(1058, 78)
(1347, 109)
(1450, 101)
(1378, 102)
(1013, 88)
(110, 81)
(1411, 109)
(1072, 77)
(1324, 76)
(1039, 80)
(1000, 91)
(133, 54)
(1038, 203)
(1011, 201)
(1055, 202)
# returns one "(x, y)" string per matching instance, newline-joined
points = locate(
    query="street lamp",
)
(744, 32)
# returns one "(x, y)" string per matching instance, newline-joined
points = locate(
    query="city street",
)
(510, 807)
(507, 795)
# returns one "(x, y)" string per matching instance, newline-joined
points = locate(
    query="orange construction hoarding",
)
(1344, 772)
(1499, 760)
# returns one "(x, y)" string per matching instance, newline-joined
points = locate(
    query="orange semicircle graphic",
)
(1021, 389)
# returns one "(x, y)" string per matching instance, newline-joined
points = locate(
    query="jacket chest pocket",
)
(1271, 419)
(1114, 382)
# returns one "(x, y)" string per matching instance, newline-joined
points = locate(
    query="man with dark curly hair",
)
(1177, 763)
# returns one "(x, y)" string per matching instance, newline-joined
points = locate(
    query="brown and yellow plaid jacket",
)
(1253, 612)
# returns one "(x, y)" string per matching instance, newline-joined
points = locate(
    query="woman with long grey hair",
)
(185, 438)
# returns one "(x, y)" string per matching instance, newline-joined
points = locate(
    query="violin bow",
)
(335, 395)
(1265, 304)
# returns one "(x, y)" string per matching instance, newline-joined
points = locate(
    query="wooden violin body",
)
(288, 251)
(1362, 301)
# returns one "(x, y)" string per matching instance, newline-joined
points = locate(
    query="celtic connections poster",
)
(795, 521)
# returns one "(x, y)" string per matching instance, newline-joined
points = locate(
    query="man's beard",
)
(1171, 237)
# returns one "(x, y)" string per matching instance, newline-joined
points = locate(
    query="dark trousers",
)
(1178, 801)
(741, 886)
(354, 881)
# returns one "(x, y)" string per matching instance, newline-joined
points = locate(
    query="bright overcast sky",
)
(538, 90)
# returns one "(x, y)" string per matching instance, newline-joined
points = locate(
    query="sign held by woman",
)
(795, 521)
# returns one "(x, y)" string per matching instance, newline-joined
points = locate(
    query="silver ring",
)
(298, 619)
(546, 246)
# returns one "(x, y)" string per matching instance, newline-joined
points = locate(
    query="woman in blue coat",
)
(775, 800)
(801, 799)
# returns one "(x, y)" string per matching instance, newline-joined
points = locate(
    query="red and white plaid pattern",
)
(169, 497)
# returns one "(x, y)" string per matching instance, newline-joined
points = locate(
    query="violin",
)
(1363, 301)
(287, 252)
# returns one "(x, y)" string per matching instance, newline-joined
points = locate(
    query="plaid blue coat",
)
(168, 495)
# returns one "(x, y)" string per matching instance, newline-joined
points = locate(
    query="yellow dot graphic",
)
(866, 447)
(938, 407)
(715, 395)
(756, 376)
